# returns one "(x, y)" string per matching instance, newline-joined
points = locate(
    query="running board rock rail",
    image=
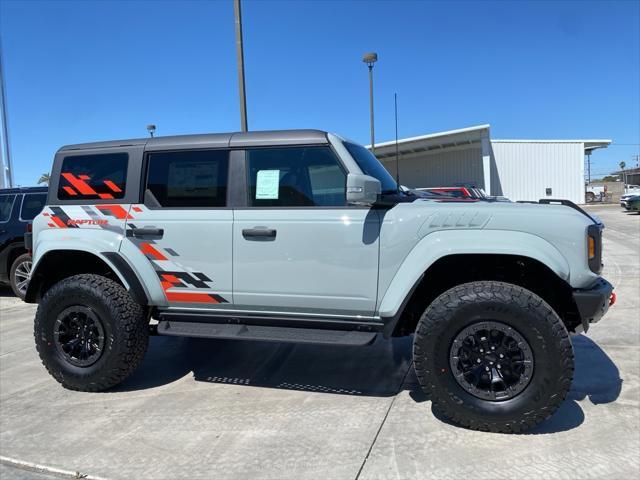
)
(265, 333)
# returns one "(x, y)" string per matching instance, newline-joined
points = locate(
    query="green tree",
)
(622, 165)
(44, 178)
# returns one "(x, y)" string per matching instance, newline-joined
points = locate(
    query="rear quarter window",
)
(91, 177)
(32, 205)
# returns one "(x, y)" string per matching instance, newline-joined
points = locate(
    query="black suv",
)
(18, 206)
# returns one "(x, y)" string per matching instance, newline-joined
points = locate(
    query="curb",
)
(37, 468)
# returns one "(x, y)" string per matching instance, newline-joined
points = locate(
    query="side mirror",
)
(362, 189)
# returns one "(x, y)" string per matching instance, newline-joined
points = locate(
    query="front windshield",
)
(371, 166)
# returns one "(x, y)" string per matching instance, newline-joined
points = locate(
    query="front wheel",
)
(493, 356)
(90, 333)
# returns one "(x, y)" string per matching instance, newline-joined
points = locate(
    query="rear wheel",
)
(19, 274)
(493, 356)
(90, 333)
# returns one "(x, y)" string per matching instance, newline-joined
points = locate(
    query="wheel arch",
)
(444, 261)
(14, 250)
(57, 264)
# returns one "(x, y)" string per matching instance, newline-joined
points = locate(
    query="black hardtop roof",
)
(214, 140)
(24, 190)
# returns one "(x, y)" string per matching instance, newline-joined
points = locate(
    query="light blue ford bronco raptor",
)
(303, 236)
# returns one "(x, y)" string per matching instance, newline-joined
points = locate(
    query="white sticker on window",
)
(267, 184)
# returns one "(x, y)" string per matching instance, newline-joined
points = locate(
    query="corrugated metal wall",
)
(439, 169)
(519, 170)
(524, 170)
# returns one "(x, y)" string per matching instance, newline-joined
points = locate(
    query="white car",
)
(629, 191)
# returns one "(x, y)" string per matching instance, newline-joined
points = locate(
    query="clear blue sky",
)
(85, 71)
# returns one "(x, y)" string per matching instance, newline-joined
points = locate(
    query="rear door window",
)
(6, 205)
(32, 205)
(88, 177)
(189, 179)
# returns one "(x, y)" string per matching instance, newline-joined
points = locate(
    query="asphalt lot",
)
(205, 409)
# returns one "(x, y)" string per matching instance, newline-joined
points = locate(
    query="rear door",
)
(180, 237)
(298, 247)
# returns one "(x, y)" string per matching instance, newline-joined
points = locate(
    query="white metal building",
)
(517, 169)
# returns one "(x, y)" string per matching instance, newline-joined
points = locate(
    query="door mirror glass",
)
(362, 189)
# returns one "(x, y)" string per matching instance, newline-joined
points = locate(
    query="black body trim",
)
(271, 321)
(593, 303)
(391, 322)
(566, 203)
(237, 183)
(595, 263)
(135, 287)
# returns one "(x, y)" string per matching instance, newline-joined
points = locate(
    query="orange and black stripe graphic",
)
(59, 218)
(78, 186)
(78, 216)
(114, 211)
(175, 277)
(170, 273)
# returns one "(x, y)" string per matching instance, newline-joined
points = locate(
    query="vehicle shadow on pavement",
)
(381, 369)
(377, 369)
(596, 376)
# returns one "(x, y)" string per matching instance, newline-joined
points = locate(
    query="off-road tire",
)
(590, 197)
(13, 280)
(126, 333)
(519, 309)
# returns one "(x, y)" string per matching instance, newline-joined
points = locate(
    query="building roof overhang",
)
(433, 141)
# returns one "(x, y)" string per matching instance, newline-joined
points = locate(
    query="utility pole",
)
(589, 167)
(6, 176)
(370, 59)
(240, 52)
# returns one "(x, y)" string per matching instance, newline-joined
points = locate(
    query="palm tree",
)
(622, 165)
(44, 178)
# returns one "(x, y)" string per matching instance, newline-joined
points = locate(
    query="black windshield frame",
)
(371, 166)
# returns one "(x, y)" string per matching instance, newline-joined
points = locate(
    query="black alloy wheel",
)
(79, 335)
(491, 361)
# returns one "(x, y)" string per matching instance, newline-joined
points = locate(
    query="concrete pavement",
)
(203, 409)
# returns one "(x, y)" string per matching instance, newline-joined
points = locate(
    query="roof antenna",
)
(151, 129)
(395, 100)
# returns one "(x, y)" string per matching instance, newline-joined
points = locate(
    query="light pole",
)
(6, 174)
(240, 52)
(371, 58)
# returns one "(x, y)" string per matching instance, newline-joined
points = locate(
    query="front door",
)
(298, 247)
(181, 235)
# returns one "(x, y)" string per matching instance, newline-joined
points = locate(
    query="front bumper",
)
(593, 302)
